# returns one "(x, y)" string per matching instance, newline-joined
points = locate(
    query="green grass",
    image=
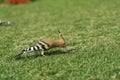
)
(91, 29)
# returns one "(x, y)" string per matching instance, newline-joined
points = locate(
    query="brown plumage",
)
(56, 43)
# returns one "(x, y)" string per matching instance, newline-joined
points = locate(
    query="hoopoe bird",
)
(46, 44)
(4, 22)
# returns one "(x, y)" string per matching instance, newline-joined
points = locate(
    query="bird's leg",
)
(42, 53)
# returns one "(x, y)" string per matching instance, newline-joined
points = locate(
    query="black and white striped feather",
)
(41, 45)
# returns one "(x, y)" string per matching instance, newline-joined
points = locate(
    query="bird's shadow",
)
(47, 53)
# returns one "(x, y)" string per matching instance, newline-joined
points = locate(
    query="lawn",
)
(91, 29)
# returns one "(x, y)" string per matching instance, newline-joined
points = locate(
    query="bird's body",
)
(45, 44)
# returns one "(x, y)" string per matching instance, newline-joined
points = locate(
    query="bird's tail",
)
(27, 50)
